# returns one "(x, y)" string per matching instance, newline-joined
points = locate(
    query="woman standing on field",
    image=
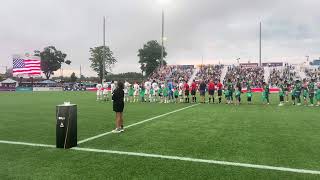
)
(118, 106)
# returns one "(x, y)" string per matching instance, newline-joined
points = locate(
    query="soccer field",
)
(163, 141)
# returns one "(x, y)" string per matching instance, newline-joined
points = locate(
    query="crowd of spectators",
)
(255, 75)
(174, 72)
(182, 73)
(313, 73)
(209, 72)
(162, 73)
(286, 73)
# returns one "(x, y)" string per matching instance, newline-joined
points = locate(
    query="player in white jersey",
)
(136, 92)
(181, 87)
(99, 92)
(155, 88)
(126, 90)
(147, 85)
(105, 91)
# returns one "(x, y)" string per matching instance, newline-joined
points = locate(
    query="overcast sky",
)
(218, 30)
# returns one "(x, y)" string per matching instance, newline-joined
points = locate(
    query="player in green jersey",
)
(266, 91)
(238, 96)
(160, 93)
(152, 97)
(318, 95)
(142, 93)
(305, 92)
(176, 94)
(249, 96)
(166, 94)
(131, 93)
(226, 94)
(230, 90)
(281, 93)
(311, 87)
(297, 94)
(293, 97)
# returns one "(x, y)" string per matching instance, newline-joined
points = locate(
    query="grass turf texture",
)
(270, 135)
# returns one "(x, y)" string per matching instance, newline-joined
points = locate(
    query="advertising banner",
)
(24, 89)
(249, 65)
(37, 89)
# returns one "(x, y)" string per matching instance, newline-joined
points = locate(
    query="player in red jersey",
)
(193, 91)
(186, 92)
(211, 88)
(219, 86)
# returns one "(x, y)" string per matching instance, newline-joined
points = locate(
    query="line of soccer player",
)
(170, 92)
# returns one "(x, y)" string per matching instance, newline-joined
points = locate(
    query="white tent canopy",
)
(8, 81)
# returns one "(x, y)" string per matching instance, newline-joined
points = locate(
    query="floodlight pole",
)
(162, 38)
(104, 50)
(260, 64)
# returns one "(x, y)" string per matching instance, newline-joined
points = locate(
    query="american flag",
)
(26, 66)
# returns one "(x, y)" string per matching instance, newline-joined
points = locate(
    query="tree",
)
(98, 54)
(51, 60)
(129, 76)
(9, 73)
(73, 77)
(82, 77)
(150, 57)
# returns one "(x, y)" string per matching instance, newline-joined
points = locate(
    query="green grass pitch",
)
(285, 136)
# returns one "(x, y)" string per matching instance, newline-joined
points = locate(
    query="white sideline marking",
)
(27, 144)
(134, 124)
(225, 163)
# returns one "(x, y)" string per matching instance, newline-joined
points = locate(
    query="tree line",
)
(149, 59)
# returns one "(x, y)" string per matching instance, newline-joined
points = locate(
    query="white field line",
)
(224, 163)
(135, 124)
(26, 144)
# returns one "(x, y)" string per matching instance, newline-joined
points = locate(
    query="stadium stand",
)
(313, 73)
(287, 73)
(253, 74)
(173, 72)
(209, 72)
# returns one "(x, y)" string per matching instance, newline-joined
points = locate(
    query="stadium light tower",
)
(260, 37)
(162, 4)
(104, 50)
(238, 61)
